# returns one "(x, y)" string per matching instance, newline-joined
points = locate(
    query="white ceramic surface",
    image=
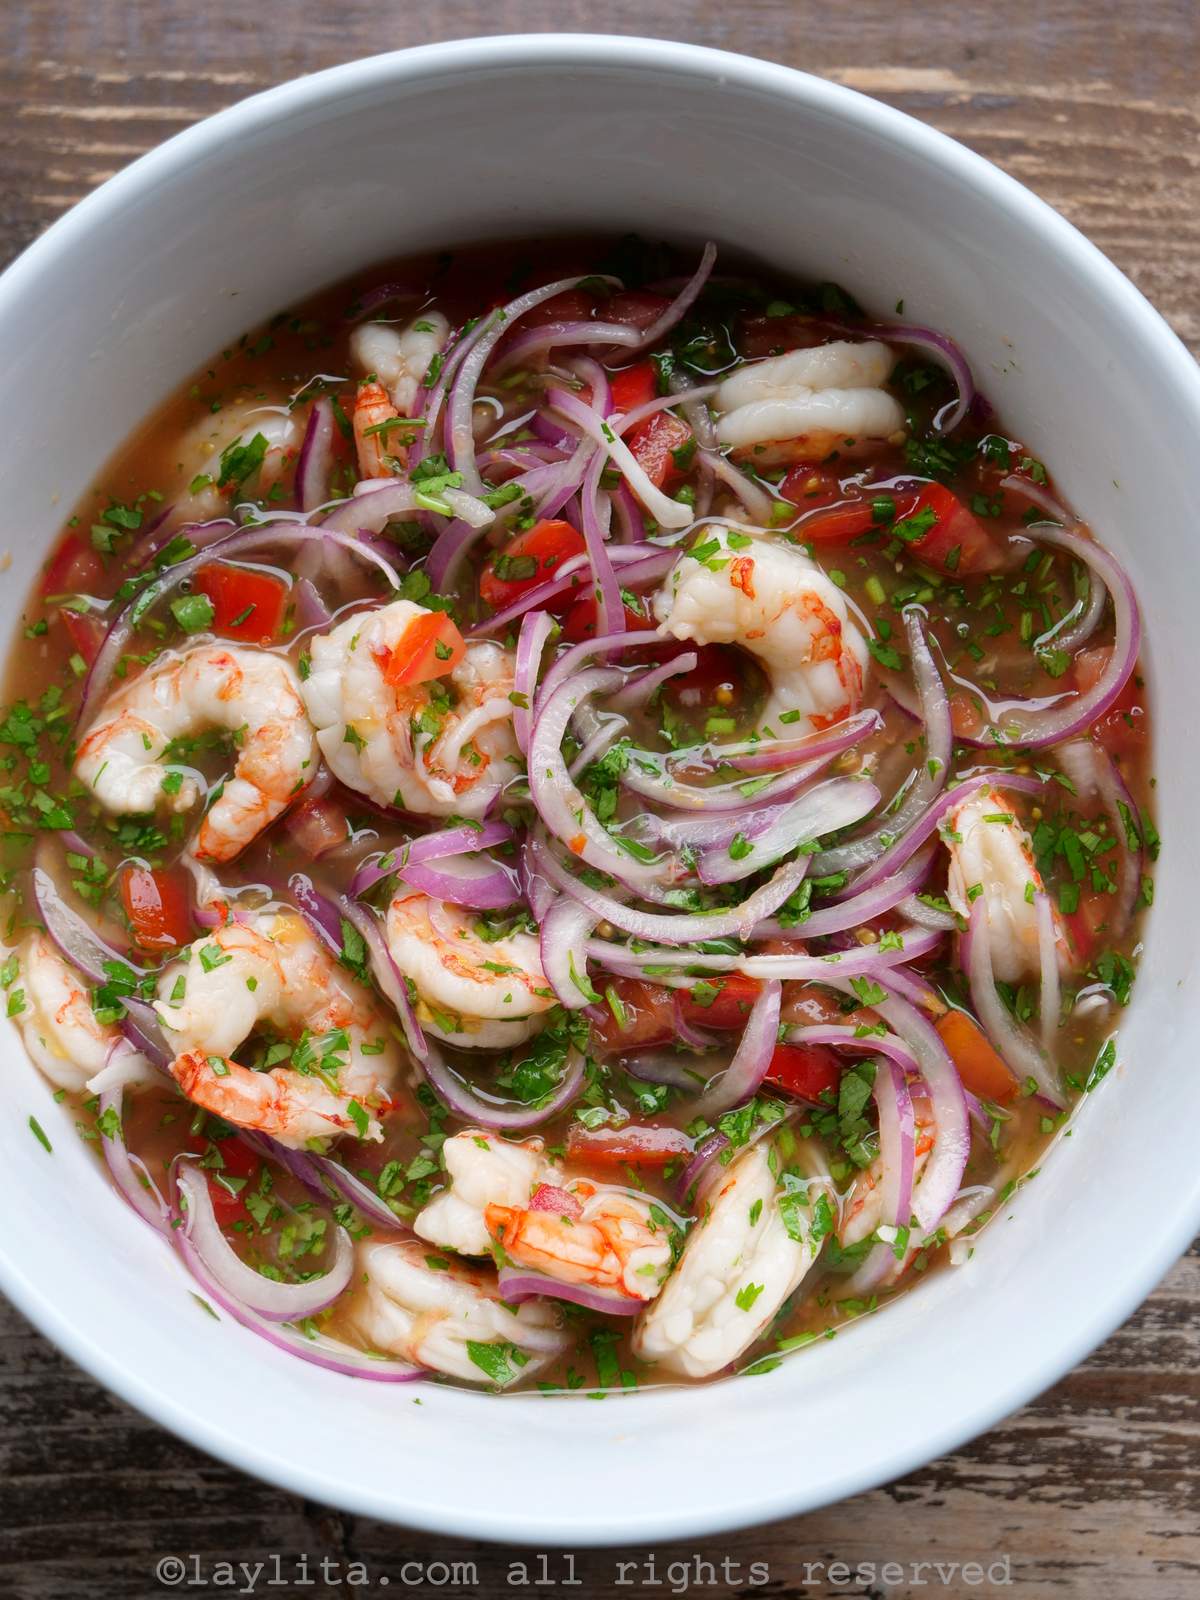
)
(270, 200)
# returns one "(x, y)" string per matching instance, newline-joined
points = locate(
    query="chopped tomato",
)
(645, 1014)
(580, 621)
(158, 905)
(728, 1007)
(239, 1168)
(318, 826)
(428, 648)
(771, 336)
(85, 631)
(1123, 729)
(572, 305)
(75, 568)
(954, 541)
(634, 386)
(648, 1146)
(1085, 925)
(716, 682)
(533, 557)
(546, 1197)
(842, 517)
(246, 605)
(634, 308)
(805, 1070)
(979, 1066)
(653, 444)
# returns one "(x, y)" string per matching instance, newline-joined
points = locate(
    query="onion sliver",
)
(360, 1195)
(752, 1058)
(128, 1171)
(562, 942)
(518, 1285)
(71, 936)
(315, 464)
(897, 1147)
(826, 808)
(471, 1106)
(682, 303)
(665, 511)
(894, 893)
(860, 961)
(1015, 1046)
(277, 1302)
(537, 629)
(388, 977)
(458, 841)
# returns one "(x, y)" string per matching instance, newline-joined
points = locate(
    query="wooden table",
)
(1094, 1489)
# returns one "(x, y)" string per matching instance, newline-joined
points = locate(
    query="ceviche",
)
(573, 817)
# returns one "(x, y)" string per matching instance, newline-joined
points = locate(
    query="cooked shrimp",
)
(56, 1018)
(400, 361)
(739, 1265)
(275, 970)
(484, 1170)
(441, 747)
(991, 858)
(251, 693)
(469, 992)
(217, 438)
(567, 1228)
(802, 405)
(778, 605)
(436, 1316)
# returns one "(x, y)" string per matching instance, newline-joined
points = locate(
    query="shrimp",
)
(779, 606)
(469, 992)
(800, 406)
(439, 1317)
(273, 969)
(56, 1018)
(220, 463)
(253, 694)
(991, 855)
(441, 747)
(400, 361)
(568, 1228)
(739, 1265)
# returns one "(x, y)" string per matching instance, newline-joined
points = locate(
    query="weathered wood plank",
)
(1095, 1486)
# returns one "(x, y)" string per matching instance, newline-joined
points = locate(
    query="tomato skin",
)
(86, 632)
(1123, 729)
(233, 591)
(954, 528)
(806, 1070)
(633, 386)
(652, 443)
(646, 1146)
(649, 1012)
(158, 905)
(632, 308)
(75, 568)
(728, 1008)
(429, 647)
(237, 1162)
(580, 621)
(548, 545)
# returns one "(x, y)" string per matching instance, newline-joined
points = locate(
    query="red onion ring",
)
(749, 1066)
(681, 305)
(858, 961)
(315, 464)
(128, 1172)
(518, 1285)
(562, 943)
(1013, 1043)
(471, 1106)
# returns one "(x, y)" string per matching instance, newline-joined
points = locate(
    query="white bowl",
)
(256, 208)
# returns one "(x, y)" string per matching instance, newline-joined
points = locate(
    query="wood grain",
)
(1095, 1487)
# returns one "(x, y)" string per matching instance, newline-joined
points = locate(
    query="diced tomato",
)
(532, 558)
(75, 568)
(634, 308)
(546, 1197)
(727, 1008)
(580, 621)
(246, 605)
(956, 541)
(572, 305)
(653, 443)
(717, 681)
(1086, 924)
(814, 488)
(158, 905)
(769, 336)
(646, 1011)
(805, 1070)
(318, 826)
(1123, 729)
(237, 1163)
(981, 1069)
(429, 647)
(634, 386)
(648, 1146)
(85, 631)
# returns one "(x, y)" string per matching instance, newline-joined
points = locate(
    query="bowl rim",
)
(1114, 1301)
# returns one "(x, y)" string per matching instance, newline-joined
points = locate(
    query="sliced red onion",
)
(1013, 1043)
(553, 335)
(315, 466)
(667, 512)
(939, 345)
(562, 941)
(682, 303)
(128, 1171)
(388, 977)
(942, 1173)
(275, 531)
(894, 893)
(610, 608)
(322, 916)
(537, 629)
(276, 1302)
(471, 1105)
(688, 1186)
(637, 570)
(846, 1038)
(567, 665)
(663, 963)
(478, 882)
(914, 909)
(751, 1059)
(608, 730)
(638, 690)
(143, 1030)
(687, 1033)
(897, 1145)
(517, 1285)
(361, 1196)
(671, 1069)
(1096, 777)
(71, 936)
(837, 803)
(758, 503)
